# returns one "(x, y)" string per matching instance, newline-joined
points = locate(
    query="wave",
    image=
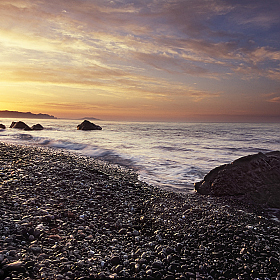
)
(250, 150)
(171, 149)
(61, 144)
(108, 155)
(24, 136)
(91, 151)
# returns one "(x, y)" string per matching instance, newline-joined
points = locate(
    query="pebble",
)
(14, 266)
(115, 260)
(65, 216)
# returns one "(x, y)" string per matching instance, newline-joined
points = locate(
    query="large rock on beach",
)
(254, 178)
(2, 126)
(87, 125)
(20, 125)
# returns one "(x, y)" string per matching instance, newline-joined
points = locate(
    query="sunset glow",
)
(170, 60)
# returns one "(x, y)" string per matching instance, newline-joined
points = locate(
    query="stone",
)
(37, 127)
(157, 264)
(15, 266)
(31, 237)
(2, 126)
(255, 178)
(20, 125)
(149, 272)
(115, 260)
(12, 124)
(87, 125)
(36, 249)
(122, 231)
(273, 261)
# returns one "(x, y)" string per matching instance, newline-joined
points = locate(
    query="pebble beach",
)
(66, 216)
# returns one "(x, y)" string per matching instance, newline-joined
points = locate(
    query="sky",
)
(146, 60)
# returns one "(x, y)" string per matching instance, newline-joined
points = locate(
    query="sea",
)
(169, 155)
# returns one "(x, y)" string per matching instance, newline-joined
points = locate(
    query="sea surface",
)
(170, 155)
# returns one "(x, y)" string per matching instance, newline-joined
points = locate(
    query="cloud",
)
(113, 32)
(273, 97)
(170, 64)
(71, 106)
(264, 53)
(140, 50)
(113, 83)
(255, 13)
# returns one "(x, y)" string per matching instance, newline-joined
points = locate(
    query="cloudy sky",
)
(173, 60)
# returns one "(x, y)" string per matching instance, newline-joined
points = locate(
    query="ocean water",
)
(170, 155)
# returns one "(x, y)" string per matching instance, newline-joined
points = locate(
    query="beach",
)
(69, 216)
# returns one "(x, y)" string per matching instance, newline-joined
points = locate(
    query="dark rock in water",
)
(20, 125)
(27, 128)
(2, 126)
(12, 124)
(256, 177)
(87, 125)
(37, 127)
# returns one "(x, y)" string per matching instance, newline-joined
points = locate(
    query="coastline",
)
(66, 216)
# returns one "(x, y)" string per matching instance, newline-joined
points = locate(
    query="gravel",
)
(65, 216)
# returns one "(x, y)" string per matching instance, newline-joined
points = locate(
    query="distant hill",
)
(91, 119)
(29, 115)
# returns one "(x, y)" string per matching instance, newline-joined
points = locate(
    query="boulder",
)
(2, 126)
(254, 178)
(37, 127)
(27, 128)
(20, 125)
(12, 124)
(87, 125)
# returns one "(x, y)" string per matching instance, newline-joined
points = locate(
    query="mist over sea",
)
(170, 155)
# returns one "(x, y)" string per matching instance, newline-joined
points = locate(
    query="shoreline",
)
(67, 216)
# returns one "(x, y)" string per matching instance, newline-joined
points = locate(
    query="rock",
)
(115, 260)
(273, 261)
(27, 128)
(20, 125)
(35, 249)
(87, 125)
(12, 124)
(47, 218)
(37, 127)
(157, 264)
(101, 275)
(2, 126)
(255, 177)
(149, 272)
(122, 231)
(31, 237)
(15, 266)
